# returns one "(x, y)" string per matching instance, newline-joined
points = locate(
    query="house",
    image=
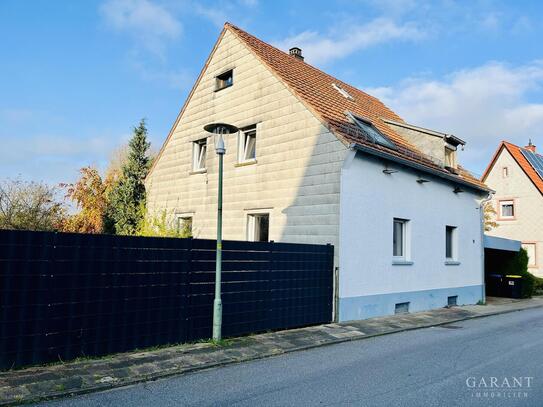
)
(516, 174)
(320, 161)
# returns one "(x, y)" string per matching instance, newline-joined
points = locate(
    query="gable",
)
(252, 98)
(508, 153)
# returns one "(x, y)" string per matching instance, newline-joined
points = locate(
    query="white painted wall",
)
(371, 199)
(295, 178)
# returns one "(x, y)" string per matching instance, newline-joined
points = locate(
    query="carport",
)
(498, 251)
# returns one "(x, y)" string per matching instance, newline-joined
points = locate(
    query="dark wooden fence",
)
(67, 295)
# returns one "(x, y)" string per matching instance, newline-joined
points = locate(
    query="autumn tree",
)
(89, 195)
(127, 197)
(30, 206)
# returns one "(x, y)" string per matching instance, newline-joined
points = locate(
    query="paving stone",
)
(34, 383)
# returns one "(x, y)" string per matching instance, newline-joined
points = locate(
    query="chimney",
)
(530, 146)
(296, 53)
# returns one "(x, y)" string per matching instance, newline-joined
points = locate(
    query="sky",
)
(76, 76)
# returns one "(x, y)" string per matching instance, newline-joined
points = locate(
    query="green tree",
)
(127, 196)
(30, 206)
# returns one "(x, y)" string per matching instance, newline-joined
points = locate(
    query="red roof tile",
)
(314, 88)
(516, 153)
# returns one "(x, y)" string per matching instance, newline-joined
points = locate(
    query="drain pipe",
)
(482, 220)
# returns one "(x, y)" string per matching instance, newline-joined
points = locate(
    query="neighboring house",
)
(516, 174)
(319, 161)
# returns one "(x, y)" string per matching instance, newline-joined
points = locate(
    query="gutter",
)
(420, 167)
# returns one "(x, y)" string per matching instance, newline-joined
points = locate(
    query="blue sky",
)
(75, 76)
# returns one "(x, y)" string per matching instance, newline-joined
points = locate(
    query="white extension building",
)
(319, 161)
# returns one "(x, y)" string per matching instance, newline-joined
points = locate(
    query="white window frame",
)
(221, 83)
(182, 217)
(405, 257)
(450, 157)
(246, 141)
(505, 172)
(503, 203)
(252, 225)
(199, 155)
(453, 258)
(532, 262)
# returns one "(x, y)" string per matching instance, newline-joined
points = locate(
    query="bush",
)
(518, 265)
(538, 285)
(160, 226)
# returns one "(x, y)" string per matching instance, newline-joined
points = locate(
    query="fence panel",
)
(65, 295)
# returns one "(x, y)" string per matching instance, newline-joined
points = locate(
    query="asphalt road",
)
(427, 367)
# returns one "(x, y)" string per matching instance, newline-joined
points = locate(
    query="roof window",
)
(343, 92)
(370, 131)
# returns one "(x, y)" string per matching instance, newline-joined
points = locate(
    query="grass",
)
(84, 358)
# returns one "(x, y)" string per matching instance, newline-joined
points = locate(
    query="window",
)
(452, 300)
(258, 225)
(199, 150)
(505, 172)
(370, 131)
(247, 144)
(399, 239)
(401, 308)
(224, 80)
(450, 243)
(343, 92)
(507, 209)
(184, 225)
(450, 158)
(531, 249)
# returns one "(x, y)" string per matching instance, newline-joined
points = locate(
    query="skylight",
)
(371, 132)
(343, 92)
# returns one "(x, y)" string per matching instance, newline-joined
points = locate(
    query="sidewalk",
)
(38, 383)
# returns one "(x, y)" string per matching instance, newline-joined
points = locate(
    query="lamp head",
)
(220, 129)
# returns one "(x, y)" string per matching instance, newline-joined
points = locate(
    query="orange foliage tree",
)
(89, 194)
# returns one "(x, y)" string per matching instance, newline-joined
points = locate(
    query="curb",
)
(157, 376)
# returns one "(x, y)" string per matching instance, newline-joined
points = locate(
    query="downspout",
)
(482, 220)
(349, 157)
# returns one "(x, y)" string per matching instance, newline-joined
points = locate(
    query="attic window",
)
(343, 92)
(370, 131)
(224, 80)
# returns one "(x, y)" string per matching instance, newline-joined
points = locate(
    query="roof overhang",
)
(500, 243)
(417, 166)
(449, 138)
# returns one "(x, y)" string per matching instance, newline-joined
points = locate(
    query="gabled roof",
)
(316, 90)
(516, 153)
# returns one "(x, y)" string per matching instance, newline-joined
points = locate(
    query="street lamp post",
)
(220, 130)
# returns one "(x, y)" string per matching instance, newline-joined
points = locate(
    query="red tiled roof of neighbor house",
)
(316, 89)
(516, 153)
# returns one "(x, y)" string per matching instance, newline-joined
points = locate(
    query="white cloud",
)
(482, 105)
(149, 22)
(54, 158)
(319, 48)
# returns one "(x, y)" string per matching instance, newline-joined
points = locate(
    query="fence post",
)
(269, 290)
(186, 323)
